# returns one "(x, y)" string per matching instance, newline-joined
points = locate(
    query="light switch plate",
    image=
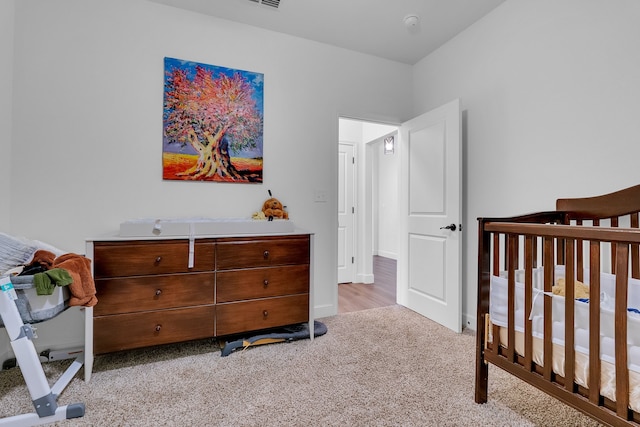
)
(320, 196)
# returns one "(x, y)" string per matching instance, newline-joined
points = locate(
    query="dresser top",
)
(115, 237)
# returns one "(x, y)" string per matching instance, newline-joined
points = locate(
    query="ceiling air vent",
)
(272, 3)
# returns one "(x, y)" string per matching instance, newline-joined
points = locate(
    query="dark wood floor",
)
(381, 293)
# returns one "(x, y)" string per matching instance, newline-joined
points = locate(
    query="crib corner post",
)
(482, 310)
(482, 369)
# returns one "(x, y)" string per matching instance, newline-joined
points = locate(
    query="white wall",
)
(550, 90)
(87, 120)
(6, 76)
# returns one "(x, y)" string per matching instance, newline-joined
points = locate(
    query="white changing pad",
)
(148, 227)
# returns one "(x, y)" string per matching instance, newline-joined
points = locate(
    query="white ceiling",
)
(369, 26)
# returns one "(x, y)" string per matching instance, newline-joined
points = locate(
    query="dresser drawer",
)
(127, 331)
(236, 285)
(145, 293)
(233, 318)
(241, 253)
(138, 258)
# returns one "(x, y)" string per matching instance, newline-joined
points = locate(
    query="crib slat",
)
(635, 251)
(511, 280)
(507, 244)
(496, 254)
(579, 256)
(614, 223)
(560, 251)
(622, 367)
(529, 248)
(496, 271)
(548, 255)
(569, 308)
(594, 322)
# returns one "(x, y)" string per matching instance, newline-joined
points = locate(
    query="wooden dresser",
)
(156, 291)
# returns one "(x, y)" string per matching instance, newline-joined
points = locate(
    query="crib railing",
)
(547, 239)
(620, 207)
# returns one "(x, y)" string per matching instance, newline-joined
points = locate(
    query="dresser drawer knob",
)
(158, 327)
(265, 283)
(265, 313)
(266, 254)
(158, 260)
(158, 292)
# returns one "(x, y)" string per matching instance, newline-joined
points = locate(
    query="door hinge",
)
(353, 260)
(353, 209)
(353, 160)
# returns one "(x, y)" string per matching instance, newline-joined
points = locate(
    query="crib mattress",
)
(35, 308)
(498, 316)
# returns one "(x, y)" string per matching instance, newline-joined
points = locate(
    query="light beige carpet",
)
(378, 367)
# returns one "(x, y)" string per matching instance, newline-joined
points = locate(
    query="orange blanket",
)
(83, 288)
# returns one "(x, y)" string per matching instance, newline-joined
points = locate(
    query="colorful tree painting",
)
(213, 119)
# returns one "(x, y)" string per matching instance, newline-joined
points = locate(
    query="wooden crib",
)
(584, 352)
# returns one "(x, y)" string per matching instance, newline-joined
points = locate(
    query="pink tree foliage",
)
(212, 115)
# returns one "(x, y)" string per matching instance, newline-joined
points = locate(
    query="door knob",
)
(451, 227)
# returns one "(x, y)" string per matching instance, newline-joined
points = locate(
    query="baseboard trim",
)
(364, 278)
(324, 311)
(469, 322)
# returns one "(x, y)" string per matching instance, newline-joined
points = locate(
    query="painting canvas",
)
(212, 123)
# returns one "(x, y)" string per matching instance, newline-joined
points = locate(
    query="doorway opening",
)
(363, 296)
(367, 214)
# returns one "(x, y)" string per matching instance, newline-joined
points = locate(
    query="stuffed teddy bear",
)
(272, 208)
(581, 291)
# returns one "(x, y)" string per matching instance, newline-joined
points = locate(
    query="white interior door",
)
(346, 214)
(429, 262)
